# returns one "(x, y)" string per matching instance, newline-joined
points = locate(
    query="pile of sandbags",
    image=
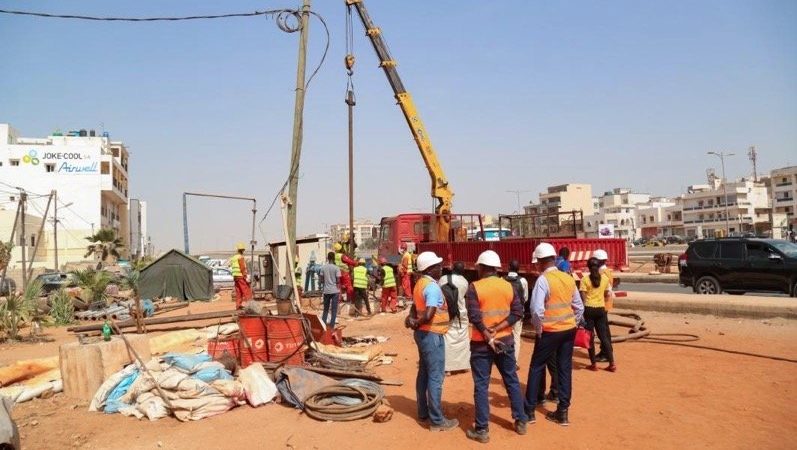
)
(190, 387)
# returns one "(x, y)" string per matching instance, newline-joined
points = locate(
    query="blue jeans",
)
(482, 359)
(560, 342)
(431, 371)
(330, 300)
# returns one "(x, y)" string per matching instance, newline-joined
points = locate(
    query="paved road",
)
(675, 289)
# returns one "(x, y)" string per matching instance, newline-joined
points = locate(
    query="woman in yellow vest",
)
(429, 318)
(595, 292)
(494, 306)
(556, 308)
(360, 275)
(603, 257)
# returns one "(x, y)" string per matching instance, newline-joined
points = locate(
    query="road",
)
(676, 289)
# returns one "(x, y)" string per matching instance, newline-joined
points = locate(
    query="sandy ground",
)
(661, 397)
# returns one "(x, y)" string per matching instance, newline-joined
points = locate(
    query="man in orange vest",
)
(556, 308)
(239, 276)
(429, 318)
(494, 306)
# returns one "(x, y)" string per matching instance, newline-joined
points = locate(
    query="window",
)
(757, 251)
(13, 162)
(732, 250)
(704, 249)
(33, 241)
(49, 167)
(105, 168)
(11, 198)
(652, 219)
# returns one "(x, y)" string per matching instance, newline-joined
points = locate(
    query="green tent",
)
(177, 275)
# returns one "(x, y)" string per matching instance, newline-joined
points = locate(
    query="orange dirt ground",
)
(661, 397)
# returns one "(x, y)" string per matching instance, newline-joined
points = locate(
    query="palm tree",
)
(19, 308)
(131, 281)
(104, 244)
(93, 282)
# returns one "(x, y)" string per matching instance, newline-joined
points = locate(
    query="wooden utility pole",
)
(55, 228)
(351, 103)
(296, 146)
(23, 198)
(39, 236)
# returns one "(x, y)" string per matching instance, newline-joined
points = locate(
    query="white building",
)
(618, 208)
(784, 196)
(748, 209)
(660, 217)
(89, 174)
(363, 231)
(139, 238)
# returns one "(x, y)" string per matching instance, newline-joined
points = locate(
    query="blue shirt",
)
(563, 265)
(433, 294)
(540, 294)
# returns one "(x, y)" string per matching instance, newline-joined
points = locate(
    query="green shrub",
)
(62, 309)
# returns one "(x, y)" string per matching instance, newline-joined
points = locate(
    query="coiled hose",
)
(350, 399)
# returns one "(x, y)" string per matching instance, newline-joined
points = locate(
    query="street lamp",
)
(721, 156)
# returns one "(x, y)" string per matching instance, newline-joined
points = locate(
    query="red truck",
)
(418, 231)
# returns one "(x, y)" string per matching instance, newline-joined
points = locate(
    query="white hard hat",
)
(489, 258)
(544, 250)
(427, 259)
(601, 255)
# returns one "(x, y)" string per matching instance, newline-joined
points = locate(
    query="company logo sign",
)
(31, 157)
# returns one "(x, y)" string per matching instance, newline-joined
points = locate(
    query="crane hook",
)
(349, 62)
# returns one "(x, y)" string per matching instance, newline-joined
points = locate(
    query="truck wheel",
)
(707, 285)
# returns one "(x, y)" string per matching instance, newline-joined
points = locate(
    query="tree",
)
(19, 308)
(104, 244)
(5, 254)
(131, 281)
(93, 282)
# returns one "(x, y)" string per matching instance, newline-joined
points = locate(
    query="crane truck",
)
(455, 237)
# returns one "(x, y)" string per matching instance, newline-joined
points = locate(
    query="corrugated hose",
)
(350, 399)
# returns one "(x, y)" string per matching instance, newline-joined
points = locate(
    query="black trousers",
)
(597, 321)
(560, 342)
(360, 297)
(552, 365)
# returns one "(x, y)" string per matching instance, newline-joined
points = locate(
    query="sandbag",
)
(199, 408)
(152, 406)
(113, 402)
(185, 362)
(258, 387)
(98, 402)
(211, 371)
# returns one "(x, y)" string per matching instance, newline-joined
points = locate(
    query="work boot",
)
(612, 367)
(532, 418)
(520, 427)
(446, 425)
(592, 367)
(478, 435)
(558, 416)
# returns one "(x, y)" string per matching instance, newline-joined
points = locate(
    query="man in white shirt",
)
(458, 335)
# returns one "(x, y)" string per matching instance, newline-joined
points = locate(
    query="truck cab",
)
(412, 229)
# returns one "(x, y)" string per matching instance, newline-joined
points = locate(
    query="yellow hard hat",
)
(361, 261)
(338, 247)
(240, 246)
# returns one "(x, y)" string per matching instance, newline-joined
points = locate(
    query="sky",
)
(515, 95)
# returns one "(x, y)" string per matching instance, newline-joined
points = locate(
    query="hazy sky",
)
(515, 95)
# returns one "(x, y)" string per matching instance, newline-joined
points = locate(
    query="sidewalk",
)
(637, 277)
(716, 305)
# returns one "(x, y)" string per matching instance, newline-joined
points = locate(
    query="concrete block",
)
(84, 367)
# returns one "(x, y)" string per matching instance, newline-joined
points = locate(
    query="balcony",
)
(788, 183)
(784, 199)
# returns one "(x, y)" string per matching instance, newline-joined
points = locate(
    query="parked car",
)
(54, 281)
(674, 239)
(8, 287)
(222, 278)
(739, 265)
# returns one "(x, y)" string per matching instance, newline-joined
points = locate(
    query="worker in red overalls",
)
(344, 263)
(239, 275)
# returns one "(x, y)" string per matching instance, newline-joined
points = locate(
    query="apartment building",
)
(783, 188)
(747, 210)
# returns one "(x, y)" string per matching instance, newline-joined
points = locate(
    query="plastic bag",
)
(257, 385)
(583, 338)
(113, 402)
(186, 362)
(211, 371)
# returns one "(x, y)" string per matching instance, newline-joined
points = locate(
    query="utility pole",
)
(298, 119)
(39, 235)
(11, 241)
(721, 156)
(185, 224)
(350, 101)
(55, 228)
(517, 194)
(23, 198)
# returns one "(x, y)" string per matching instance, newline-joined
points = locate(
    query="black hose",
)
(320, 405)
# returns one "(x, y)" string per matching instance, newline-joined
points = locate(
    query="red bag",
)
(583, 338)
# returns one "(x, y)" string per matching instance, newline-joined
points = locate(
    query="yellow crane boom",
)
(440, 189)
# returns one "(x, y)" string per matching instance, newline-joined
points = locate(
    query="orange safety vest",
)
(495, 297)
(559, 314)
(439, 323)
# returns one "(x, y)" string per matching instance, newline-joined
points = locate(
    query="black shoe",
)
(558, 416)
(478, 435)
(552, 397)
(446, 425)
(532, 418)
(540, 401)
(520, 427)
